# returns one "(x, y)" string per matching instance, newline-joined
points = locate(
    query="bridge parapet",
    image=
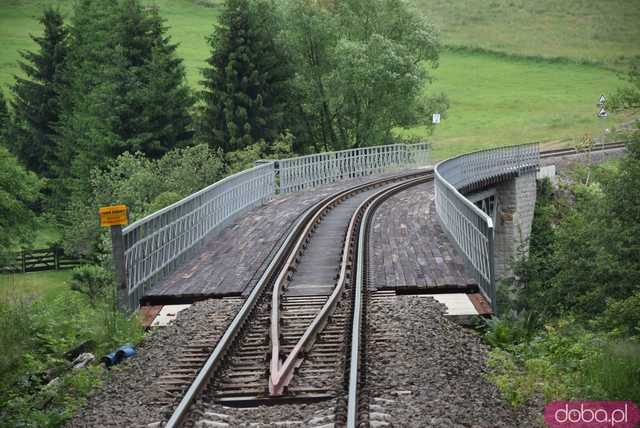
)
(304, 172)
(155, 245)
(470, 228)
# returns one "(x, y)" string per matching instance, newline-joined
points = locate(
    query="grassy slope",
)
(190, 22)
(495, 100)
(498, 101)
(591, 30)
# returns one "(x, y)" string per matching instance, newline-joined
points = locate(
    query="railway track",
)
(299, 336)
(289, 342)
(573, 151)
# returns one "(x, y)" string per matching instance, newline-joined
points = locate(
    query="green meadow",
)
(501, 101)
(580, 30)
(46, 285)
(515, 71)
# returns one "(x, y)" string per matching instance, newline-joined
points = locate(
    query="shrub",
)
(35, 336)
(565, 361)
(92, 281)
(623, 316)
(614, 374)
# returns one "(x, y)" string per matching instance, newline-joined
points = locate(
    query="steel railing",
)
(471, 229)
(155, 245)
(297, 174)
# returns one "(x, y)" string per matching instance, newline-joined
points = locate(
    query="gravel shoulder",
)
(130, 395)
(427, 371)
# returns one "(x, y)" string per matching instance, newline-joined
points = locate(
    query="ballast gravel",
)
(427, 371)
(129, 396)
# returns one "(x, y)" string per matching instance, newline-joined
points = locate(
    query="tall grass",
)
(614, 374)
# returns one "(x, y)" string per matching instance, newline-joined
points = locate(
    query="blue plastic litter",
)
(120, 354)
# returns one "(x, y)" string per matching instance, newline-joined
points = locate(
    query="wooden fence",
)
(40, 260)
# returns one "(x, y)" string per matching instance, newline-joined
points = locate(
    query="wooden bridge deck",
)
(409, 247)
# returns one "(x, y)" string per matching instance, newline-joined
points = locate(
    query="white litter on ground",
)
(456, 303)
(167, 314)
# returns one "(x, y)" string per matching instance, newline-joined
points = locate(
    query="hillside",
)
(504, 79)
(581, 30)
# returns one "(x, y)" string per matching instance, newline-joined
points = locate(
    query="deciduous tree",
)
(19, 189)
(360, 67)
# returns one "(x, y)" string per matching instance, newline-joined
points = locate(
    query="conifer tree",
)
(246, 91)
(4, 114)
(128, 90)
(36, 100)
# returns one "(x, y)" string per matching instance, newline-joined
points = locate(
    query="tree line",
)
(290, 77)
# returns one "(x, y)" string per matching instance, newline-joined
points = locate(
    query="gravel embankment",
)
(129, 396)
(426, 371)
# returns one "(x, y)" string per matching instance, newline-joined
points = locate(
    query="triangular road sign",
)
(602, 112)
(602, 99)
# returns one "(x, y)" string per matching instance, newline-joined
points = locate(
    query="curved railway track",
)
(298, 337)
(288, 342)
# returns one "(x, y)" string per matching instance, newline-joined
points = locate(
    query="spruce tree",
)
(4, 114)
(128, 90)
(246, 84)
(36, 100)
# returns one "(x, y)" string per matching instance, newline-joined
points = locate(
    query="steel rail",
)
(233, 330)
(573, 151)
(281, 373)
(356, 330)
(226, 341)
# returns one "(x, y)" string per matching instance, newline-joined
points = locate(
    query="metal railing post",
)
(492, 271)
(471, 229)
(117, 254)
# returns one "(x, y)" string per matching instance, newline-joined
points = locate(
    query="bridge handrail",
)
(156, 244)
(157, 241)
(300, 173)
(471, 229)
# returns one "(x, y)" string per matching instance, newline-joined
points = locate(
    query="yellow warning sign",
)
(114, 215)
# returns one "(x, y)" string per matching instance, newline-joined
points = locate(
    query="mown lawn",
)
(499, 101)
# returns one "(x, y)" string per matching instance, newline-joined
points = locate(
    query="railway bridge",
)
(322, 289)
(458, 231)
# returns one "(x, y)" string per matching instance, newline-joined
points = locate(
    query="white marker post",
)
(602, 112)
(436, 118)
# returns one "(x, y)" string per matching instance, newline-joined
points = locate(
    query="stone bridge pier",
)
(511, 205)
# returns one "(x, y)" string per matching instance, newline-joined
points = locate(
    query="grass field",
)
(45, 285)
(582, 30)
(501, 101)
(496, 99)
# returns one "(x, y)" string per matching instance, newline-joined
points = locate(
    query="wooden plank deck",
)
(231, 262)
(408, 248)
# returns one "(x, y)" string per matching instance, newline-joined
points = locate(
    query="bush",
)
(35, 336)
(565, 361)
(623, 316)
(92, 281)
